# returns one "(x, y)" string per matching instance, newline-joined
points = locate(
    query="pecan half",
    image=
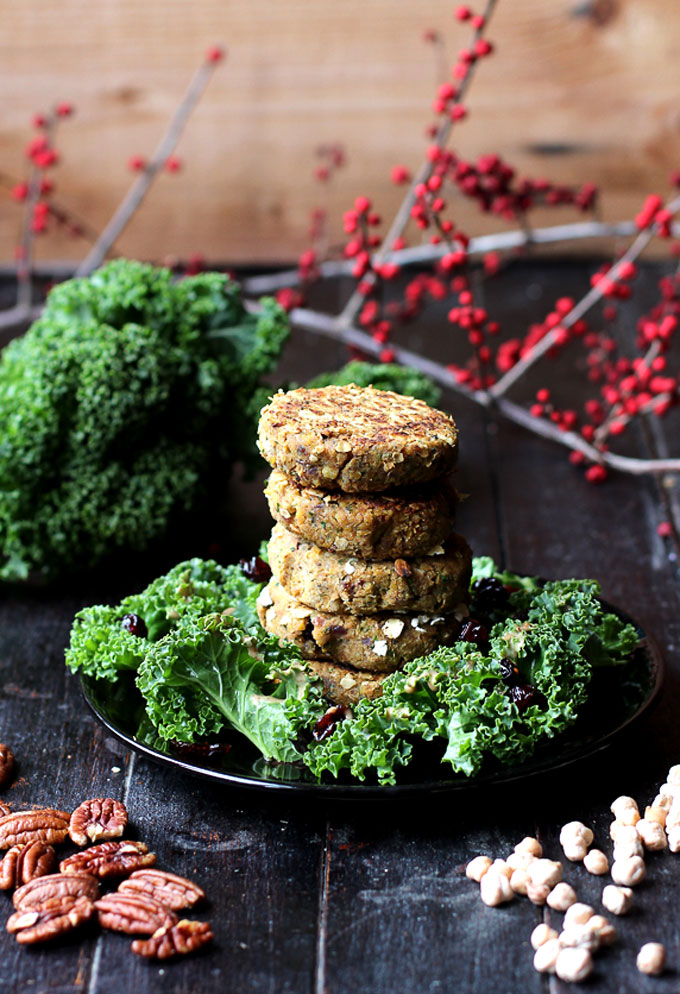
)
(174, 940)
(99, 818)
(4, 809)
(44, 825)
(172, 891)
(55, 886)
(133, 914)
(25, 863)
(109, 859)
(50, 920)
(6, 765)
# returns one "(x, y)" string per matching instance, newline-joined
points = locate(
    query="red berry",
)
(215, 54)
(387, 355)
(362, 205)
(462, 13)
(664, 529)
(400, 174)
(173, 164)
(136, 163)
(64, 109)
(20, 191)
(596, 474)
(543, 395)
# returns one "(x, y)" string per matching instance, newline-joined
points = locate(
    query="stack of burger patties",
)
(367, 572)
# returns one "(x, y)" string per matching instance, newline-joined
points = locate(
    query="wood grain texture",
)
(318, 898)
(577, 91)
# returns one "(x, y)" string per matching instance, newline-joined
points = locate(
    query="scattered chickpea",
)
(546, 956)
(662, 801)
(530, 845)
(628, 872)
(477, 867)
(500, 866)
(578, 914)
(629, 816)
(673, 775)
(674, 838)
(622, 803)
(596, 862)
(652, 956)
(546, 871)
(495, 889)
(575, 838)
(619, 832)
(624, 850)
(605, 929)
(561, 897)
(652, 834)
(520, 860)
(574, 965)
(542, 934)
(519, 881)
(656, 814)
(618, 900)
(581, 937)
(537, 893)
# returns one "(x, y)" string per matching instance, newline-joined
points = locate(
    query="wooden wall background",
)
(578, 89)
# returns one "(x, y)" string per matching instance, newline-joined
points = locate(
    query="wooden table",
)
(308, 896)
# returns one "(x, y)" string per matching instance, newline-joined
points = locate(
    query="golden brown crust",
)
(356, 438)
(346, 685)
(402, 523)
(337, 584)
(379, 643)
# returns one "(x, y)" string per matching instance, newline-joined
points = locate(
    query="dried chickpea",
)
(581, 937)
(662, 801)
(651, 958)
(578, 914)
(561, 897)
(546, 955)
(674, 838)
(628, 872)
(495, 889)
(575, 836)
(542, 934)
(574, 965)
(673, 775)
(622, 803)
(656, 814)
(605, 929)
(537, 893)
(530, 845)
(629, 816)
(624, 850)
(546, 871)
(596, 862)
(520, 860)
(652, 834)
(477, 867)
(500, 866)
(618, 832)
(618, 900)
(519, 881)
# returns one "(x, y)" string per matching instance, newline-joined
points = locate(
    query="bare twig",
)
(139, 188)
(24, 267)
(480, 245)
(403, 214)
(578, 310)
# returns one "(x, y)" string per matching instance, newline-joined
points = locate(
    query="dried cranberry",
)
(473, 631)
(509, 672)
(523, 695)
(135, 625)
(325, 726)
(256, 569)
(489, 593)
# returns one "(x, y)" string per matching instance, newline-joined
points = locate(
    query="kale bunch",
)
(120, 406)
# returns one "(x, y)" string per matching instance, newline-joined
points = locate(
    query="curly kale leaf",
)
(121, 407)
(383, 376)
(210, 674)
(552, 632)
(101, 647)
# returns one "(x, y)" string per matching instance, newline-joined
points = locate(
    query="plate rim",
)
(362, 791)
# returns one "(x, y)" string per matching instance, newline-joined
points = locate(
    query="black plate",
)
(618, 696)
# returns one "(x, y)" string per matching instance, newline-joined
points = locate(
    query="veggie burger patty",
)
(356, 439)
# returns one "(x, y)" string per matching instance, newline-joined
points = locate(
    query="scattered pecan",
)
(173, 940)
(133, 914)
(6, 765)
(55, 886)
(109, 859)
(44, 825)
(53, 918)
(172, 891)
(99, 818)
(402, 568)
(4, 809)
(25, 863)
